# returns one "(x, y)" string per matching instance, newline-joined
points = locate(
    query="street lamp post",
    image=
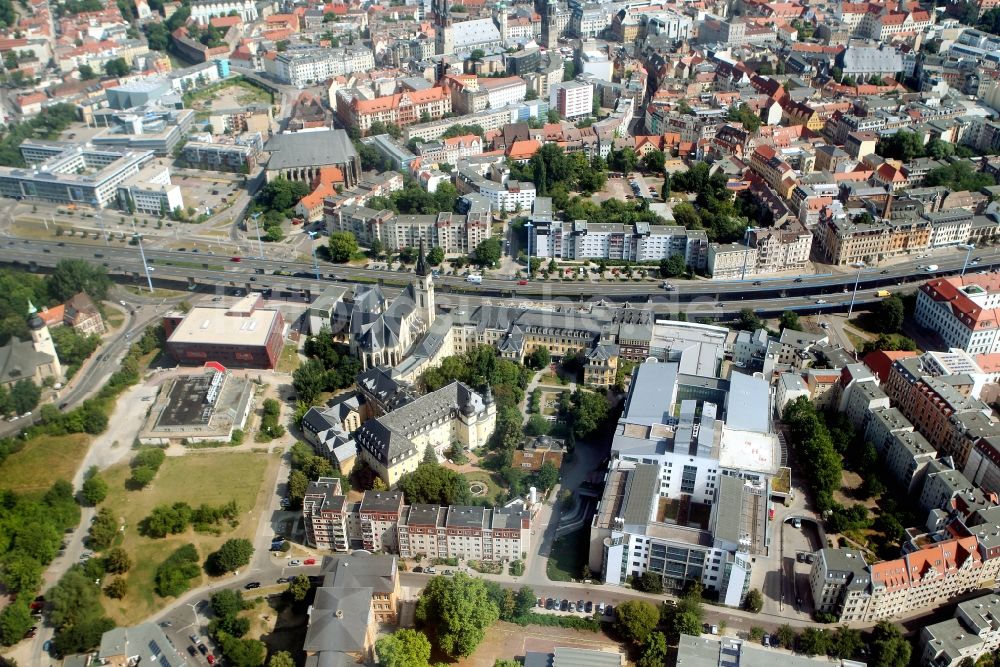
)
(142, 254)
(968, 253)
(260, 243)
(528, 225)
(854, 294)
(312, 244)
(746, 251)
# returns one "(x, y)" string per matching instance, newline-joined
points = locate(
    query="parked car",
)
(282, 580)
(309, 561)
(418, 569)
(548, 603)
(202, 649)
(192, 650)
(563, 605)
(572, 607)
(295, 562)
(590, 606)
(210, 658)
(609, 610)
(194, 639)
(540, 602)
(252, 585)
(579, 605)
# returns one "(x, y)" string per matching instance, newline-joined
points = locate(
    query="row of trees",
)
(173, 519)
(811, 437)
(906, 146)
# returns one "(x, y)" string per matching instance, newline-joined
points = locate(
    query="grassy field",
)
(490, 480)
(289, 359)
(114, 319)
(568, 556)
(213, 478)
(42, 461)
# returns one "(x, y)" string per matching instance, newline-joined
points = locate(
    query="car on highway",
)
(798, 280)
(820, 302)
(235, 259)
(522, 282)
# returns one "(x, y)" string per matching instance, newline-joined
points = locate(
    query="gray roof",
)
(845, 567)
(643, 488)
(19, 359)
(146, 641)
(309, 149)
(466, 516)
(362, 570)
(651, 393)
(338, 620)
(388, 437)
(382, 501)
(468, 34)
(729, 515)
(747, 406)
(573, 657)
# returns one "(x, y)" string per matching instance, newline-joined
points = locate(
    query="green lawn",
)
(569, 554)
(289, 359)
(114, 319)
(42, 461)
(213, 478)
(491, 480)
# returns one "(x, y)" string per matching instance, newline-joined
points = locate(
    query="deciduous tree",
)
(403, 648)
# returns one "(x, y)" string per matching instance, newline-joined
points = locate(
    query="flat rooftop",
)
(749, 450)
(242, 324)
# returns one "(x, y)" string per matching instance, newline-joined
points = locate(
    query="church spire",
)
(421, 269)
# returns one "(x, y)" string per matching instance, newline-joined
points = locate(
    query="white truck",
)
(474, 279)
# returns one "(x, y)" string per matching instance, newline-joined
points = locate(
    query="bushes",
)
(270, 428)
(173, 519)
(15, 621)
(145, 464)
(174, 575)
(553, 621)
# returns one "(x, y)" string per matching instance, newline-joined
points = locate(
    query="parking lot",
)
(798, 546)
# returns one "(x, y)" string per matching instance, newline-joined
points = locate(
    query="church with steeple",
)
(34, 360)
(380, 331)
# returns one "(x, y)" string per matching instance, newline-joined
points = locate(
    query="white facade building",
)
(572, 99)
(962, 311)
(204, 10)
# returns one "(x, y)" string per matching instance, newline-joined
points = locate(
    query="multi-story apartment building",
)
(844, 242)
(450, 231)
(572, 99)
(962, 311)
(853, 591)
(502, 92)
(451, 150)
(770, 250)
(304, 67)
(638, 242)
(239, 154)
(381, 522)
(504, 195)
(402, 109)
(974, 631)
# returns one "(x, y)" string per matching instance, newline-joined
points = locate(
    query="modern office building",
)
(572, 99)
(71, 174)
(241, 336)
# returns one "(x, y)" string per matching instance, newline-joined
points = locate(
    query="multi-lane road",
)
(708, 298)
